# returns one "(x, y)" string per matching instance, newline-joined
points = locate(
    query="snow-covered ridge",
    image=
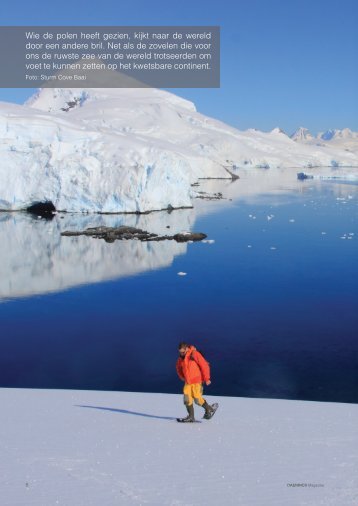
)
(130, 150)
(332, 136)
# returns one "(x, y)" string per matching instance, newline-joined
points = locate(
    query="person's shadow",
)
(125, 412)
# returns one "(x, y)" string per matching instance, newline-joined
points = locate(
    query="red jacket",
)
(193, 368)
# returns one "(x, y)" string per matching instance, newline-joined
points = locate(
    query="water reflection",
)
(36, 259)
(276, 186)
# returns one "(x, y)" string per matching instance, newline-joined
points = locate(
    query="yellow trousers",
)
(193, 393)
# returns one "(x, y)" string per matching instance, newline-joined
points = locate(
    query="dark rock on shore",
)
(111, 234)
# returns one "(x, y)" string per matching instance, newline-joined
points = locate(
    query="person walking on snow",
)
(194, 370)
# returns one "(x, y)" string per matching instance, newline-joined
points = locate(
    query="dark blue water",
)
(273, 303)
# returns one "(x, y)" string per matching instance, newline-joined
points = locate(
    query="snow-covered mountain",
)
(129, 150)
(335, 134)
(301, 135)
(344, 139)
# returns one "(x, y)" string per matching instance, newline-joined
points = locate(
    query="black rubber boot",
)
(190, 417)
(208, 410)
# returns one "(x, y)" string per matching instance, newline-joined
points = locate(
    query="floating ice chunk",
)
(270, 216)
(323, 233)
(182, 273)
(249, 246)
(273, 247)
(348, 236)
(291, 220)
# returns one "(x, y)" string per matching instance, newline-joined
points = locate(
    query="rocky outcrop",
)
(111, 234)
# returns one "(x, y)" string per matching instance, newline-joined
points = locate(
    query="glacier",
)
(131, 151)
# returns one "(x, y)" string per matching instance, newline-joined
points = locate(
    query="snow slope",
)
(129, 150)
(85, 448)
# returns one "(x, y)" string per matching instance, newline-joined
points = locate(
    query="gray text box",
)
(110, 56)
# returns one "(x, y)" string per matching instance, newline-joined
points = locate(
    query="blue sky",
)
(284, 63)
